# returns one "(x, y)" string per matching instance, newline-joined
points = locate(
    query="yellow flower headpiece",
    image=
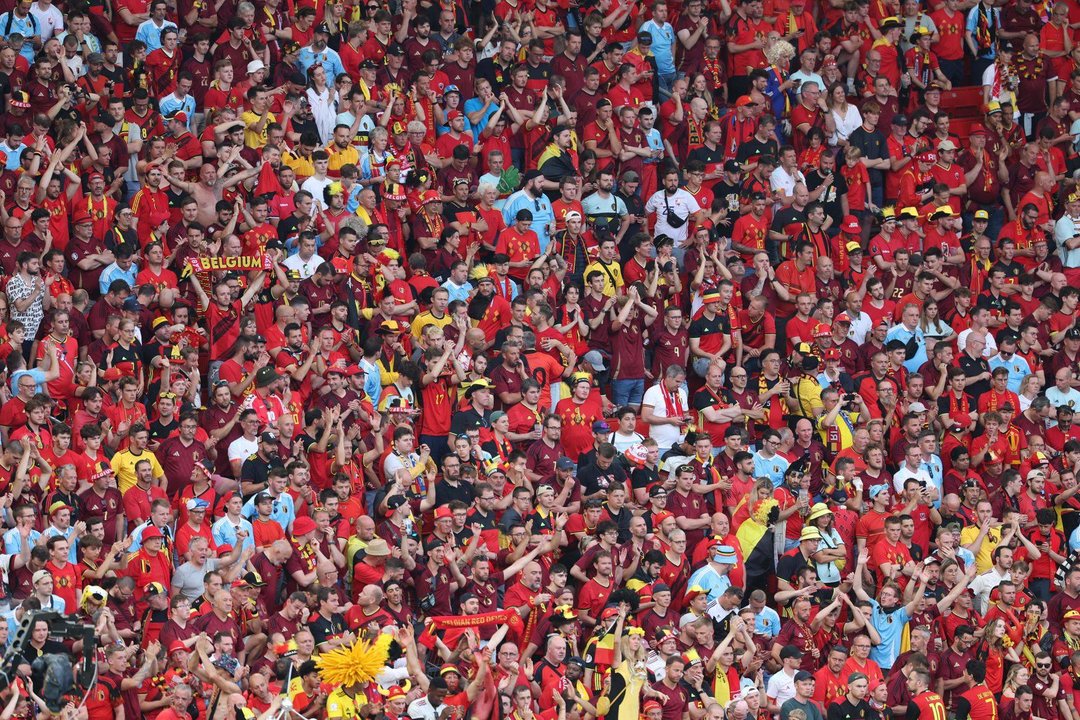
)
(356, 664)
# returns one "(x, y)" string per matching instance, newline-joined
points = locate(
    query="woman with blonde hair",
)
(1030, 387)
(1017, 677)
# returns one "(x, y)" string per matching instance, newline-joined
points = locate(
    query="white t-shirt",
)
(665, 435)
(394, 462)
(681, 204)
(306, 268)
(242, 449)
(781, 687)
(783, 181)
(421, 708)
(1070, 397)
(991, 345)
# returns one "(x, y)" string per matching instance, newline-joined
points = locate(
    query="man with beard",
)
(317, 53)
(223, 315)
(532, 198)
(490, 311)
(27, 295)
(239, 370)
(605, 210)
(219, 421)
(295, 362)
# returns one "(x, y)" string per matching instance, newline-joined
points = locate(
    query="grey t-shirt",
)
(188, 579)
(811, 710)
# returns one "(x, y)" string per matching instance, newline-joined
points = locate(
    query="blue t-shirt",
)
(663, 45)
(890, 625)
(471, 106)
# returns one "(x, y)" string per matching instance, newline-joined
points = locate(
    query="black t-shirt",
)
(708, 156)
(324, 628)
(845, 710)
(593, 479)
(643, 477)
(756, 148)
(256, 470)
(787, 216)
(468, 419)
(873, 147)
(790, 565)
(444, 493)
(830, 198)
(30, 654)
(973, 367)
(159, 431)
(703, 326)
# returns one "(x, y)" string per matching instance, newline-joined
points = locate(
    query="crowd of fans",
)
(540, 360)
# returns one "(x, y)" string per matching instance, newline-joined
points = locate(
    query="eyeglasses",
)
(1042, 665)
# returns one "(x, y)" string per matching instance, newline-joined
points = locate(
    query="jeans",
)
(701, 366)
(1040, 588)
(439, 445)
(627, 391)
(666, 81)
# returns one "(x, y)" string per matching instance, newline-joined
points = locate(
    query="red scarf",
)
(673, 405)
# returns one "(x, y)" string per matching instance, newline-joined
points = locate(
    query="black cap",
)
(900, 119)
(253, 579)
(323, 28)
(395, 49)
(530, 175)
(1072, 333)
(732, 166)
(395, 501)
(369, 65)
(263, 497)
(803, 675)
(644, 38)
(790, 651)
(268, 437)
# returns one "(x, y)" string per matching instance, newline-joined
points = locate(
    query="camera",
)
(849, 401)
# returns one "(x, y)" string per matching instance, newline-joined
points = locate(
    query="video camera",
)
(54, 676)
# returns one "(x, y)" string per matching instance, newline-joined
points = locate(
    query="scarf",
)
(985, 30)
(714, 72)
(673, 405)
(695, 133)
